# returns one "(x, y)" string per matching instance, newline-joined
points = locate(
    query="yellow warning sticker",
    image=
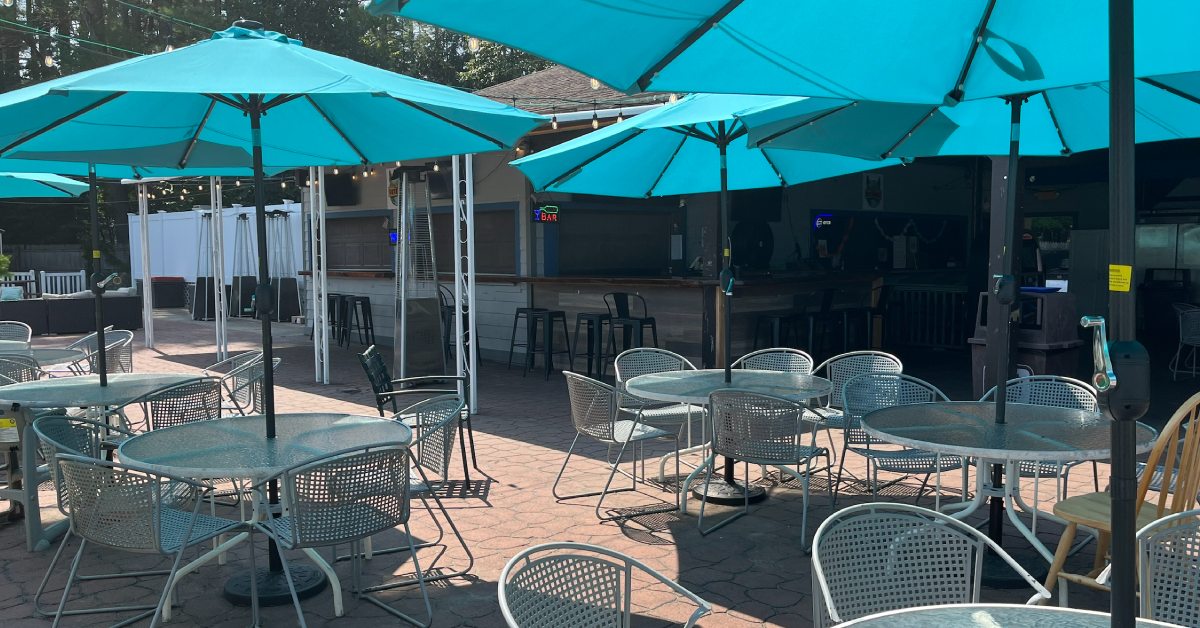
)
(95, 254)
(6, 422)
(1120, 276)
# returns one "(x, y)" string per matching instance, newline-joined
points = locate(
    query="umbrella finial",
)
(250, 25)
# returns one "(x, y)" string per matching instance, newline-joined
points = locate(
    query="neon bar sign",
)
(545, 213)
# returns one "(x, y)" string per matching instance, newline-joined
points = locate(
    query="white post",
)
(400, 326)
(460, 284)
(216, 201)
(313, 265)
(472, 329)
(147, 286)
(322, 205)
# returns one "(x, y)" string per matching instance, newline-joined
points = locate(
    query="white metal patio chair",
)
(236, 375)
(15, 330)
(20, 368)
(646, 361)
(118, 353)
(343, 498)
(878, 557)
(434, 422)
(195, 400)
(1189, 339)
(1059, 392)
(779, 359)
(122, 507)
(598, 414)
(872, 391)
(554, 585)
(759, 429)
(1169, 569)
(838, 370)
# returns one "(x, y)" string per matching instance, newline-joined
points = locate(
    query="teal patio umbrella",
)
(38, 185)
(256, 99)
(918, 52)
(692, 146)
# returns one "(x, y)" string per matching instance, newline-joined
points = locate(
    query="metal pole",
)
(218, 266)
(147, 276)
(1129, 400)
(96, 269)
(323, 281)
(1006, 285)
(460, 290)
(313, 291)
(726, 277)
(400, 322)
(472, 348)
(263, 293)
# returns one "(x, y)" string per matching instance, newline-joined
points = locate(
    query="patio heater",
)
(417, 327)
(204, 302)
(280, 245)
(244, 281)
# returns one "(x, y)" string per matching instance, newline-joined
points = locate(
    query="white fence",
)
(63, 283)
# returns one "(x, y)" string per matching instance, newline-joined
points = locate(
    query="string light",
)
(397, 164)
(436, 167)
(48, 60)
(473, 44)
(672, 98)
(621, 115)
(169, 48)
(595, 84)
(554, 122)
(283, 185)
(335, 170)
(237, 182)
(7, 3)
(200, 187)
(595, 121)
(185, 190)
(181, 197)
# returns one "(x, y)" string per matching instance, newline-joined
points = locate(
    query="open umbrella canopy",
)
(112, 171)
(38, 185)
(1057, 121)
(922, 52)
(187, 109)
(673, 150)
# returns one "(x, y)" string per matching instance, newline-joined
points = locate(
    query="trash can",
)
(1047, 337)
(165, 291)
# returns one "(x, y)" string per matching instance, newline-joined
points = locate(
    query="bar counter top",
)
(814, 277)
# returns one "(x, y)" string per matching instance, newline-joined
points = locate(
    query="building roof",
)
(561, 89)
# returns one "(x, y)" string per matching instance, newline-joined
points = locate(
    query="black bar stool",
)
(546, 318)
(780, 327)
(360, 320)
(595, 322)
(522, 312)
(630, 314)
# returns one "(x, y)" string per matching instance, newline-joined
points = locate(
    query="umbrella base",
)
(273, 585)
(997, 574)
(728, 494)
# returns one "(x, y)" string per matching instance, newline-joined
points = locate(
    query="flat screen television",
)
(757, 205)
(439, 183)
(340, 189)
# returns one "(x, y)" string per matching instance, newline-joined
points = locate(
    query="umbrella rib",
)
(662, 173)
(55, 187)
(187, 152)
(690, 132)
(281, 99)
(589, 160)
(63, 120)
(771, 163)
(956, 94)
(336, 128)
(225, 100)
(1170, 90)
(793, 127)
(1066, 150)
(643, 81)
(913, 129)
(460, 125)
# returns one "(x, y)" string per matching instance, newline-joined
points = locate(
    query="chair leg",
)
(1060, 556)
(287, 573)
(512, 340)
(554, 487)
(471, 441)
(338, 606)
(62, 603)
(420, 583)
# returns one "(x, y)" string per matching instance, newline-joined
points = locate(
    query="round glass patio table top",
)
(85, 390)
(44, 356)
(1030, 432)
(991, 615)
(13, 345)
(238, 447)
(695, 386)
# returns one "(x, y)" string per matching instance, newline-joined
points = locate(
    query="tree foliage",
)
(45, 39)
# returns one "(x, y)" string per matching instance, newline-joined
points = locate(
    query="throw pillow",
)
(11, 293)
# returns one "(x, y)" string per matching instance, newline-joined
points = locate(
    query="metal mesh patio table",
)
(1000, 615)
(694, 387)
(44, 356)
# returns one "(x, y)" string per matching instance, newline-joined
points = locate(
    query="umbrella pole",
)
(726, 266)
(1129, 400)
(98, 282)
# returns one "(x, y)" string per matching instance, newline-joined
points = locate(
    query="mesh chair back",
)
(783, 360)
(255, 382)
(757, 428)
(61, 434)
(593, 406)
(377, 374)
(118, 351)
(237, 375)
(1049, 390)
(437, 421)
(119, 506)
(347, 496)
(1170, 590)
(879, 557)
(1189, 323)
(872, 391)
(1177, 454)
(645, 360)
(19, 368)
(840, 368)
(15, 330)
(196, 400)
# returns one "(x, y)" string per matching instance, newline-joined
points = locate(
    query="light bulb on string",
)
(672, 98)
(283, 185)
(185, 190)
(473, 44)
(397, 164)
(595, 121)
(237, 182)
(7, 3)
(554, 122)
(48, 60)
(181, 197)
(595, 84)
(169, 48)
(200, 187)
(621, 115)
(436, 167)
(335, 170)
